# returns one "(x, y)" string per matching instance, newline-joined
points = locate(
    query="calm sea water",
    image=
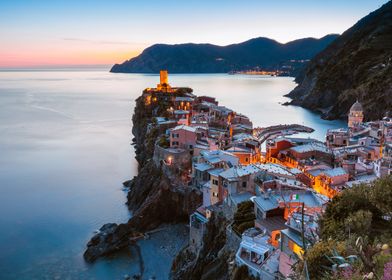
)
(65, 150)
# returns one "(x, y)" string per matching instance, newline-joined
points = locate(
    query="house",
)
(182, 116)
(237, 184)
(198, 227)
(282, 203)
(336, 176)
(245, 154)
(183, 103)
(185, 137)
(337, 137)
(314, 150)
(214, 184)
(208, 160)
(221, 116)
(293, 242)
(257, 254)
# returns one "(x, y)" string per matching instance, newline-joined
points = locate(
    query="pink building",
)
(185, 137)
(336, 176)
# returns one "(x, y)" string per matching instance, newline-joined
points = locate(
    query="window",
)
(244, 184)
(214, 194)
(215, 182)
(247, 159)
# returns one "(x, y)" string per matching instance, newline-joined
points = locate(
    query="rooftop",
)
(356, 107)
(185, 127)
(275, 169)
(313, 146)
(239, 171)
(339, 171)
(203, 166)
(216, 171)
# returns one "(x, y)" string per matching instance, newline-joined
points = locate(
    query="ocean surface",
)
(65, 151)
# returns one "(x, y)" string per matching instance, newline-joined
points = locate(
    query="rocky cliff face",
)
(357, 65)
(152, 198)
(212, 261)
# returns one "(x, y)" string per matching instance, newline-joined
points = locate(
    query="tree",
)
(381, 195)
(358, 223)
(333, 223)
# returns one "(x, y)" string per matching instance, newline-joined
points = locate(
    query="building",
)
(163, 86)
(183, 136)
(293, 242)
(355, 116)
(282, 203)
(198, 227)
(338, 137)
(238, 184)
(257, 254)
(208, 160)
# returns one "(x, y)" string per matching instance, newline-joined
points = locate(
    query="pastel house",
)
(185, 137)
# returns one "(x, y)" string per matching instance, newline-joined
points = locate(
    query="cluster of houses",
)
(289, 183)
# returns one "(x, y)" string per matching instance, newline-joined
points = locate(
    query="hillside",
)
(260, 53)
(357, 65)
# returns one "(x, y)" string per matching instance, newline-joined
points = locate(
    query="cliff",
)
(153, 198)
(212, 262)
(207, 58)
(357, 65)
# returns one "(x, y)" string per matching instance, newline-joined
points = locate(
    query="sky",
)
(42, 33)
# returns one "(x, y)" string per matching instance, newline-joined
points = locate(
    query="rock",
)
(111, 238)
(152, 197)
(128, 183)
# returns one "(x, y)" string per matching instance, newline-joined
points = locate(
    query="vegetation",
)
(356, 234)
(207, 58)
(244, 217)
(357, 65)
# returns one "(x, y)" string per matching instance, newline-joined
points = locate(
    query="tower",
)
(355, 116)
(163, 77)
(164, 82)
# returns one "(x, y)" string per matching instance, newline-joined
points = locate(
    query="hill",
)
(357, 65)
(259, 53)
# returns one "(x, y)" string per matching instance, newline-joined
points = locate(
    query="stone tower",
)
(355, 116)
(163, 77)
(164, 81)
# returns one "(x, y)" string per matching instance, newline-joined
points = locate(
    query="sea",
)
(65, 149)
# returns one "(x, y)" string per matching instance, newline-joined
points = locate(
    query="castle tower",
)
(355, 116)
(163, 77)
(164, 81)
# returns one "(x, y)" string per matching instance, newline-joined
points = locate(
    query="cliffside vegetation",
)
(244, 218)
(356, 235)
(357, 65)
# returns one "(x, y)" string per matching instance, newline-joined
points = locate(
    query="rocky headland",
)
(155, 196)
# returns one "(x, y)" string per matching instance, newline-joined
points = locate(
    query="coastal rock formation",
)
(110, 238)
(207, 58)
(211, 262)
(356, 66)
(153, 198)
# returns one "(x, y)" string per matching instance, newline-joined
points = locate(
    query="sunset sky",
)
(57, 33)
